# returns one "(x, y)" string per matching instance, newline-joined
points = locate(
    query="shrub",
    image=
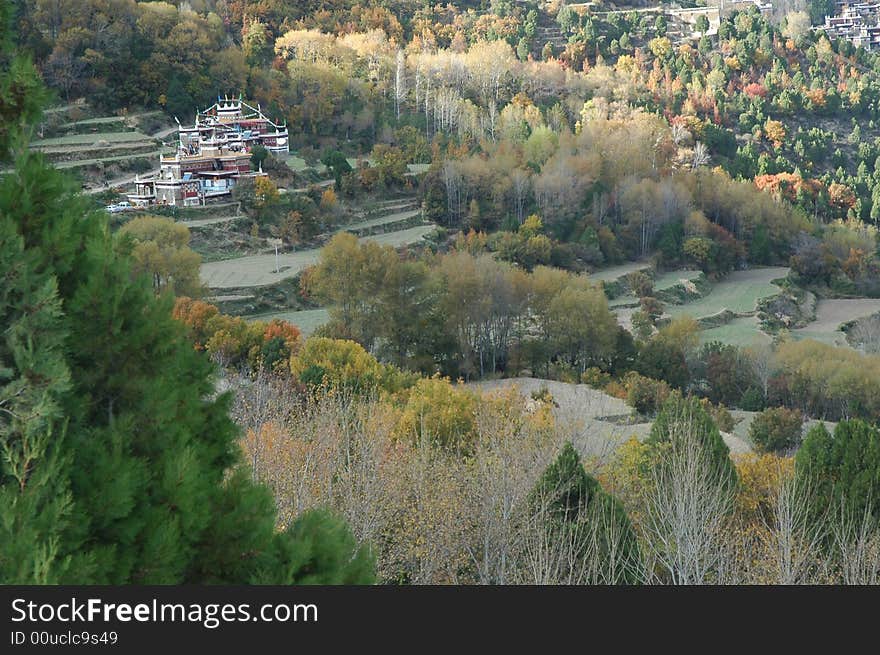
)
(595, 377)
(645, 394)
(640, 284)
(752, 400)
(723, 418)
(776, 429)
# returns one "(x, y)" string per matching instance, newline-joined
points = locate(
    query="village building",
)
(212, 155)
(858, 23)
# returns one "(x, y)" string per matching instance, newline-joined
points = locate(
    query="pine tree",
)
(148, 450)
(585, 521)
(680, 412)
(34, 495)
(842, 471)
(34, 498)
(143, 485)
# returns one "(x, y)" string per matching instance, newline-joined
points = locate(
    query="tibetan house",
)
(211, 156)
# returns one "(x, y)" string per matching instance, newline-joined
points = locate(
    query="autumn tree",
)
(160, 250)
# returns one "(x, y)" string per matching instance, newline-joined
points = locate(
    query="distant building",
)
(856, 22)
(211, 156)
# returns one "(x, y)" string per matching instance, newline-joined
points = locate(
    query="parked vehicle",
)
(117, 207)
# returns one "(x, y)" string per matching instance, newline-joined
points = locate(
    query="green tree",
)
(259, 154)
(34, 494)
(338, 165)
(146, 480)
(586, 526)
(702, 24)
(776, 429)
(679, 413)
(22, 94)
(843, 470)
(322, 551)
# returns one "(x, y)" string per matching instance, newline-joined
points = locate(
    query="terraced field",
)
(744, 331)
(739, 292)
(614, 272)
(91, 139)
(260, 270)
(831, 314)
(384, 220)
(671, 278)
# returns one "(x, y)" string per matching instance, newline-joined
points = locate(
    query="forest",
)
(599, 301)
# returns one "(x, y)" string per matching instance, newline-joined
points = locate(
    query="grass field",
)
(295, 162)
(740, 332)
(830, 314)
(739, 292)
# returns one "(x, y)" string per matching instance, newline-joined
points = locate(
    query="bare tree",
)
(857, 541)
(400, 82)
(795, 535)
(521, 184)
(687, 507)
(701, 155)
(456, 195)
(680, 134)
(763, 364)
(866, 334)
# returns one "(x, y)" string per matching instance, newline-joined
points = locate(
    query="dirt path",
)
(161, 134)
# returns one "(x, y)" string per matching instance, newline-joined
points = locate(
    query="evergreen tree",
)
(843, 470)
(587, 522)
(22, 94)
(680, 411)
(144, 485)
(34, 496)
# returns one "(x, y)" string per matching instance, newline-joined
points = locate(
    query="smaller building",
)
(212, 156)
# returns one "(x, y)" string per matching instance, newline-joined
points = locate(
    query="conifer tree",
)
(120, 459)
(585, 522)
(678, 410)
(842, 470)
(34, 498)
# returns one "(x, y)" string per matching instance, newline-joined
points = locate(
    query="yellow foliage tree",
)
(440, 413)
